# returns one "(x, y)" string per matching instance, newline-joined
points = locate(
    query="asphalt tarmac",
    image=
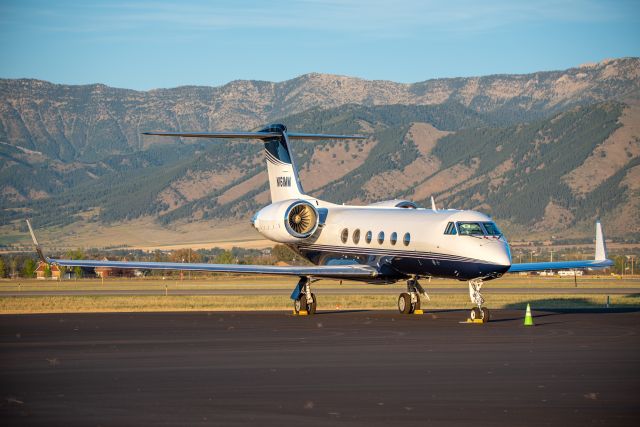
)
(359, 368)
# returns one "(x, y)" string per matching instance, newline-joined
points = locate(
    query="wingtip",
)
(36, 244)
(601, 247)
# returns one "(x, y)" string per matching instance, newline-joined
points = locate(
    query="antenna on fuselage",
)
(433, 205)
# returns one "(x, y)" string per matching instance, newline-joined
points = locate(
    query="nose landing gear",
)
(477, 313)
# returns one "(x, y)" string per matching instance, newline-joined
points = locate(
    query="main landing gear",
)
(304, 301)
(477, 313)
(409, 302)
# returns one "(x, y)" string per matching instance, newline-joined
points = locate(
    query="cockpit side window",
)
(470, 229)
(451, 229)
(492, 229)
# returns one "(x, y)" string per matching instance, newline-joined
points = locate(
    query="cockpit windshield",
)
(492, 229)
(470, 229)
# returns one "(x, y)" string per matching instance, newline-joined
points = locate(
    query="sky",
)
(157, 44)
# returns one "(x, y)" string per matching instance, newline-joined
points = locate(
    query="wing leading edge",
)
(600, 260)
(339, 271)
(353, 271)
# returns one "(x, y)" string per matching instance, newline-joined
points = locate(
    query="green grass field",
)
(287, 282)
(457, 299)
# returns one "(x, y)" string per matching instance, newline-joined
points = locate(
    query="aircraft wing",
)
(600, 260)
(560, 265)
(352, 271)
(355, 271)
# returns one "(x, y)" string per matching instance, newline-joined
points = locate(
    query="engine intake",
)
(288, 221)
(301, 219)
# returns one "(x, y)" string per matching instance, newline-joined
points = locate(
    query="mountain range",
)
(544, 153)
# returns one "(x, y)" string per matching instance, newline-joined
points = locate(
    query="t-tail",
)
(284, 181)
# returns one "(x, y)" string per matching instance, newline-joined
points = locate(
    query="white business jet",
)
(381, 243)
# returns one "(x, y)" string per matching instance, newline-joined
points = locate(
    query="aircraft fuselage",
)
(402, 242)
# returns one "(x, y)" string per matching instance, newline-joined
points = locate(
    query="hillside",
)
(540, 167)
(88, 123)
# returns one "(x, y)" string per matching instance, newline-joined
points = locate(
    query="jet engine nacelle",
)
(396, 203)
(288, 221)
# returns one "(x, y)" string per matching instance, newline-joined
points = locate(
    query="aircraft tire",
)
(300, 304)
(475, 313)
(485, 315)
(312, 307)
(404, 303)
(416, 306)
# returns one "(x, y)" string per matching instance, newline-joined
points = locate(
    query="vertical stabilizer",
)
(601, 247)
(284, 182)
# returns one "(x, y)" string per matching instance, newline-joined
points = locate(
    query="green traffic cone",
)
(528, 319)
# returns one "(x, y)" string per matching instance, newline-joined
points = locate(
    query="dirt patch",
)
(632, 180)
(263, 198)
(445, 180)
(243, 188)
(329, 165)
(388, 184)
(608, 157)
(10, 193)
(497, 175)
(555, 217)
(194, 186)
(146, 234)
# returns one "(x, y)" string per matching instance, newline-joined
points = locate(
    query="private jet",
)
(381, 243)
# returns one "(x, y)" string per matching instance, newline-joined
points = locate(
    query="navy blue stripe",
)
(381, 251)
(274, 159)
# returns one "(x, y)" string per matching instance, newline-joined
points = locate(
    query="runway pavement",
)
(382, 290)
(357, 368)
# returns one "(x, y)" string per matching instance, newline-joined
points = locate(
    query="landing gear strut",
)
(303, 299)
(479, 312)
(409, 301)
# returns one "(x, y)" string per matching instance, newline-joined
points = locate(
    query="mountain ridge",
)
(93, 164)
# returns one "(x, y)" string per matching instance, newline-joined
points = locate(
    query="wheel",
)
(311, 308)
(485, 315)
(300, 304)
(475, 313)
(404, 303)
(416, 306)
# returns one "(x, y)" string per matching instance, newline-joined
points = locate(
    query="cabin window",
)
(492, 229)
(345, 235)
(369, 236)
(470, 229)
(407, 239)
(381, 237)
(393, 238)
(451, 229)
(356, 236)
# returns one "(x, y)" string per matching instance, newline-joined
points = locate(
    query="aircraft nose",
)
(500, 253)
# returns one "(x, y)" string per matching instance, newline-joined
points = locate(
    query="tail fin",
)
(283, 174)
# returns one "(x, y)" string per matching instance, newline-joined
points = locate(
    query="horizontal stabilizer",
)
(245, 135)
(253, 135)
